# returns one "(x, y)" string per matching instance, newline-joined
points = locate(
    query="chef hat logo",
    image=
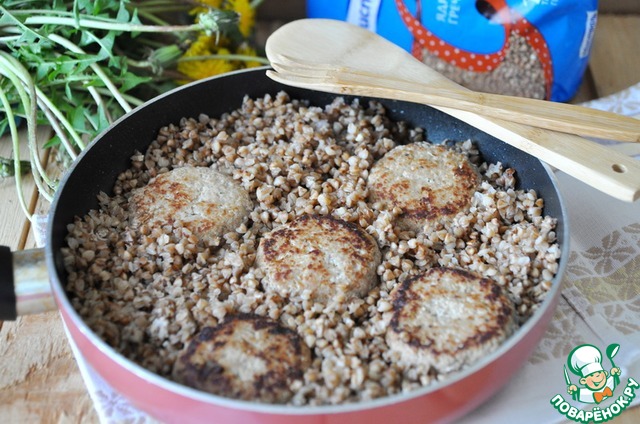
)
(584, 360)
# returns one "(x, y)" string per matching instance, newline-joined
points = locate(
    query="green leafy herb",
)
(79, 65)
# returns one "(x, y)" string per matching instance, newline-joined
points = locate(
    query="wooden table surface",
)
(39, 378)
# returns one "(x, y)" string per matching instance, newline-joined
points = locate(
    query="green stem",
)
(152, 18)
(96, 68)
(138, 63)
(53, 13)
(13, 63)
(144, 6)
(154, 3)
(130, 99)
(19, 77)
(59, 131)
(100, 102)
(60, 116)
(10, 16)
(108, 25)
(32, 139)
(63, 13)
(241, 57)
(16, 152)
(8, 39)
(150, 12)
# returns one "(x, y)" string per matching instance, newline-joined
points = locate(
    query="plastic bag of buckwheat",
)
(527, 48)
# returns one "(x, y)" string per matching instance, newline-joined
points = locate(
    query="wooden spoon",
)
(323, 43)
(540, 113)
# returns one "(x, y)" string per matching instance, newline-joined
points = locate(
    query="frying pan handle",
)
(24, 283)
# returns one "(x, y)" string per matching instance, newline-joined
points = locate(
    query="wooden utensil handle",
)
(592, 163)
(539, 113)
(604, 169)
(344, 45)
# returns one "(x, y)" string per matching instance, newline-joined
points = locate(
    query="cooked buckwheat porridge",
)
(312, 259)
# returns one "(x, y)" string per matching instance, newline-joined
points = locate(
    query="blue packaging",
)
(529, 48)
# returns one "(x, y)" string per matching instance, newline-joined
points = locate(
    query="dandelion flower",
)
(213, 3)
(245, 50)
(246, 15)
(201, 68)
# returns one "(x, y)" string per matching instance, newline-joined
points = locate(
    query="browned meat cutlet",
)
(326, 257)
(426, 181)
(203, 200)
(446, 318)
(246, 357)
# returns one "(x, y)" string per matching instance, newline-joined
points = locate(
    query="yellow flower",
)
(198, 69)
(208, 45)
(247, 15)
(246, 50)
(213, 3)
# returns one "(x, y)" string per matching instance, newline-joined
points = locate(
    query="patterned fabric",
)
(625, 102)
(600, 305)
(600, 301)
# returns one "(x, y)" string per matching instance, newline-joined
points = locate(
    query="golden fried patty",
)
(426, 181)
(327, 257)
(246, 357)
(201, 199)
(446, 318)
